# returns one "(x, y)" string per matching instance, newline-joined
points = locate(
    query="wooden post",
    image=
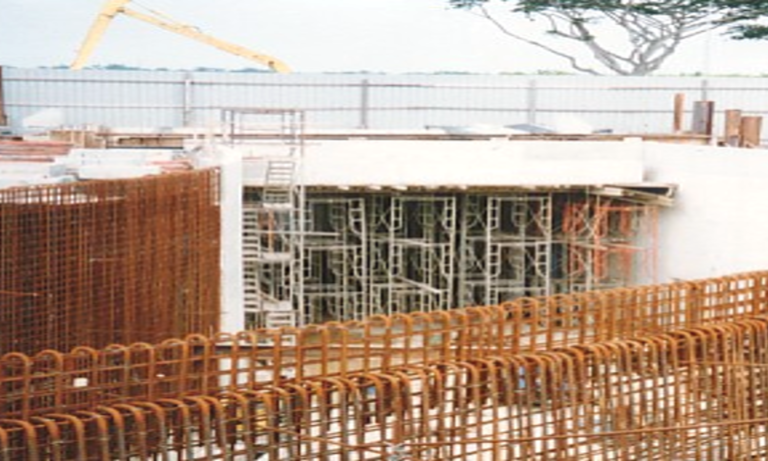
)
(677, 123)
(732, 134)
(750, 131)
(703, 112)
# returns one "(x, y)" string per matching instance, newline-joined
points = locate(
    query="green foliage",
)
(743, 18)
(552, 72)
(251, 70)
(465, 4)
(647, 6)
(736, 14)
(750, 32)
(116, 67)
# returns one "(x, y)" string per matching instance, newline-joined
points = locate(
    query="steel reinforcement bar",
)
(689, 394)
(32, 385)
(95, 263)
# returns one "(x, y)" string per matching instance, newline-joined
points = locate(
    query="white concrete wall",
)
(461, 163)
(231, 199)
(719, 223)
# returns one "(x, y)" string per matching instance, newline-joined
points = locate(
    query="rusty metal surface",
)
(103, 262)
(33, 151)
(601, 243)
(85, 377)
(689, 394)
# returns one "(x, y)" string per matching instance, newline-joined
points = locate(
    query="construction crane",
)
(114, 7)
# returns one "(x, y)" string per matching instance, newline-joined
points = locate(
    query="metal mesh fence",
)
(96, 263)
(163, 100)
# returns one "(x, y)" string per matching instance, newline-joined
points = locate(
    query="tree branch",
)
(573, 61)
(654, 29)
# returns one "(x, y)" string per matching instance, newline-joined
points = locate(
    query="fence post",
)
(3, 116)
(704, 90)
(364, 102)
(703, 115)
(532, 94)
(677, 123)
(186, 114)
(750, 131)
(732, 133)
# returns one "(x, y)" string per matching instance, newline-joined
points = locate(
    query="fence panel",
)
(170, 100)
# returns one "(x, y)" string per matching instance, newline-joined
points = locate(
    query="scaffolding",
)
(602, 243)
(506, 247)
(336, 275)
(413, 253)
(373, 252)
(274, 252)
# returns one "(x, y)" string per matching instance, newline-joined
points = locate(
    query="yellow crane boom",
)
(114, 7)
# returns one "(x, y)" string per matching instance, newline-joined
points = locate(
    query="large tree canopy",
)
(651, 30)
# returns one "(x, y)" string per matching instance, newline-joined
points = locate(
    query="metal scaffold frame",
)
(371, 252)
(506, 247)
(600, 245)
(336, 271)
(413, 259)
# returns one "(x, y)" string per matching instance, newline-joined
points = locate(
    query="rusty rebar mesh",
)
(96, 263)
(32, 385)
(688, 394)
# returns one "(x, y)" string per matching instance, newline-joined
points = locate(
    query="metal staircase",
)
(279, 183)
(274, 221)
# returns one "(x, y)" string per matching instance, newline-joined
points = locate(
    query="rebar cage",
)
(102, 262)
(671, 371)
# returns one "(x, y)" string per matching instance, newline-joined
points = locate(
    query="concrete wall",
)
(462, 163)
(719, 223)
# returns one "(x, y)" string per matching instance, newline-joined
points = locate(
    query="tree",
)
(744, 18)
(652, 30)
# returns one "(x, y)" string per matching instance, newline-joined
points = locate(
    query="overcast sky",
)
(393, 36)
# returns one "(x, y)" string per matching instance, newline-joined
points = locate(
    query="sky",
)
(391, 36)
